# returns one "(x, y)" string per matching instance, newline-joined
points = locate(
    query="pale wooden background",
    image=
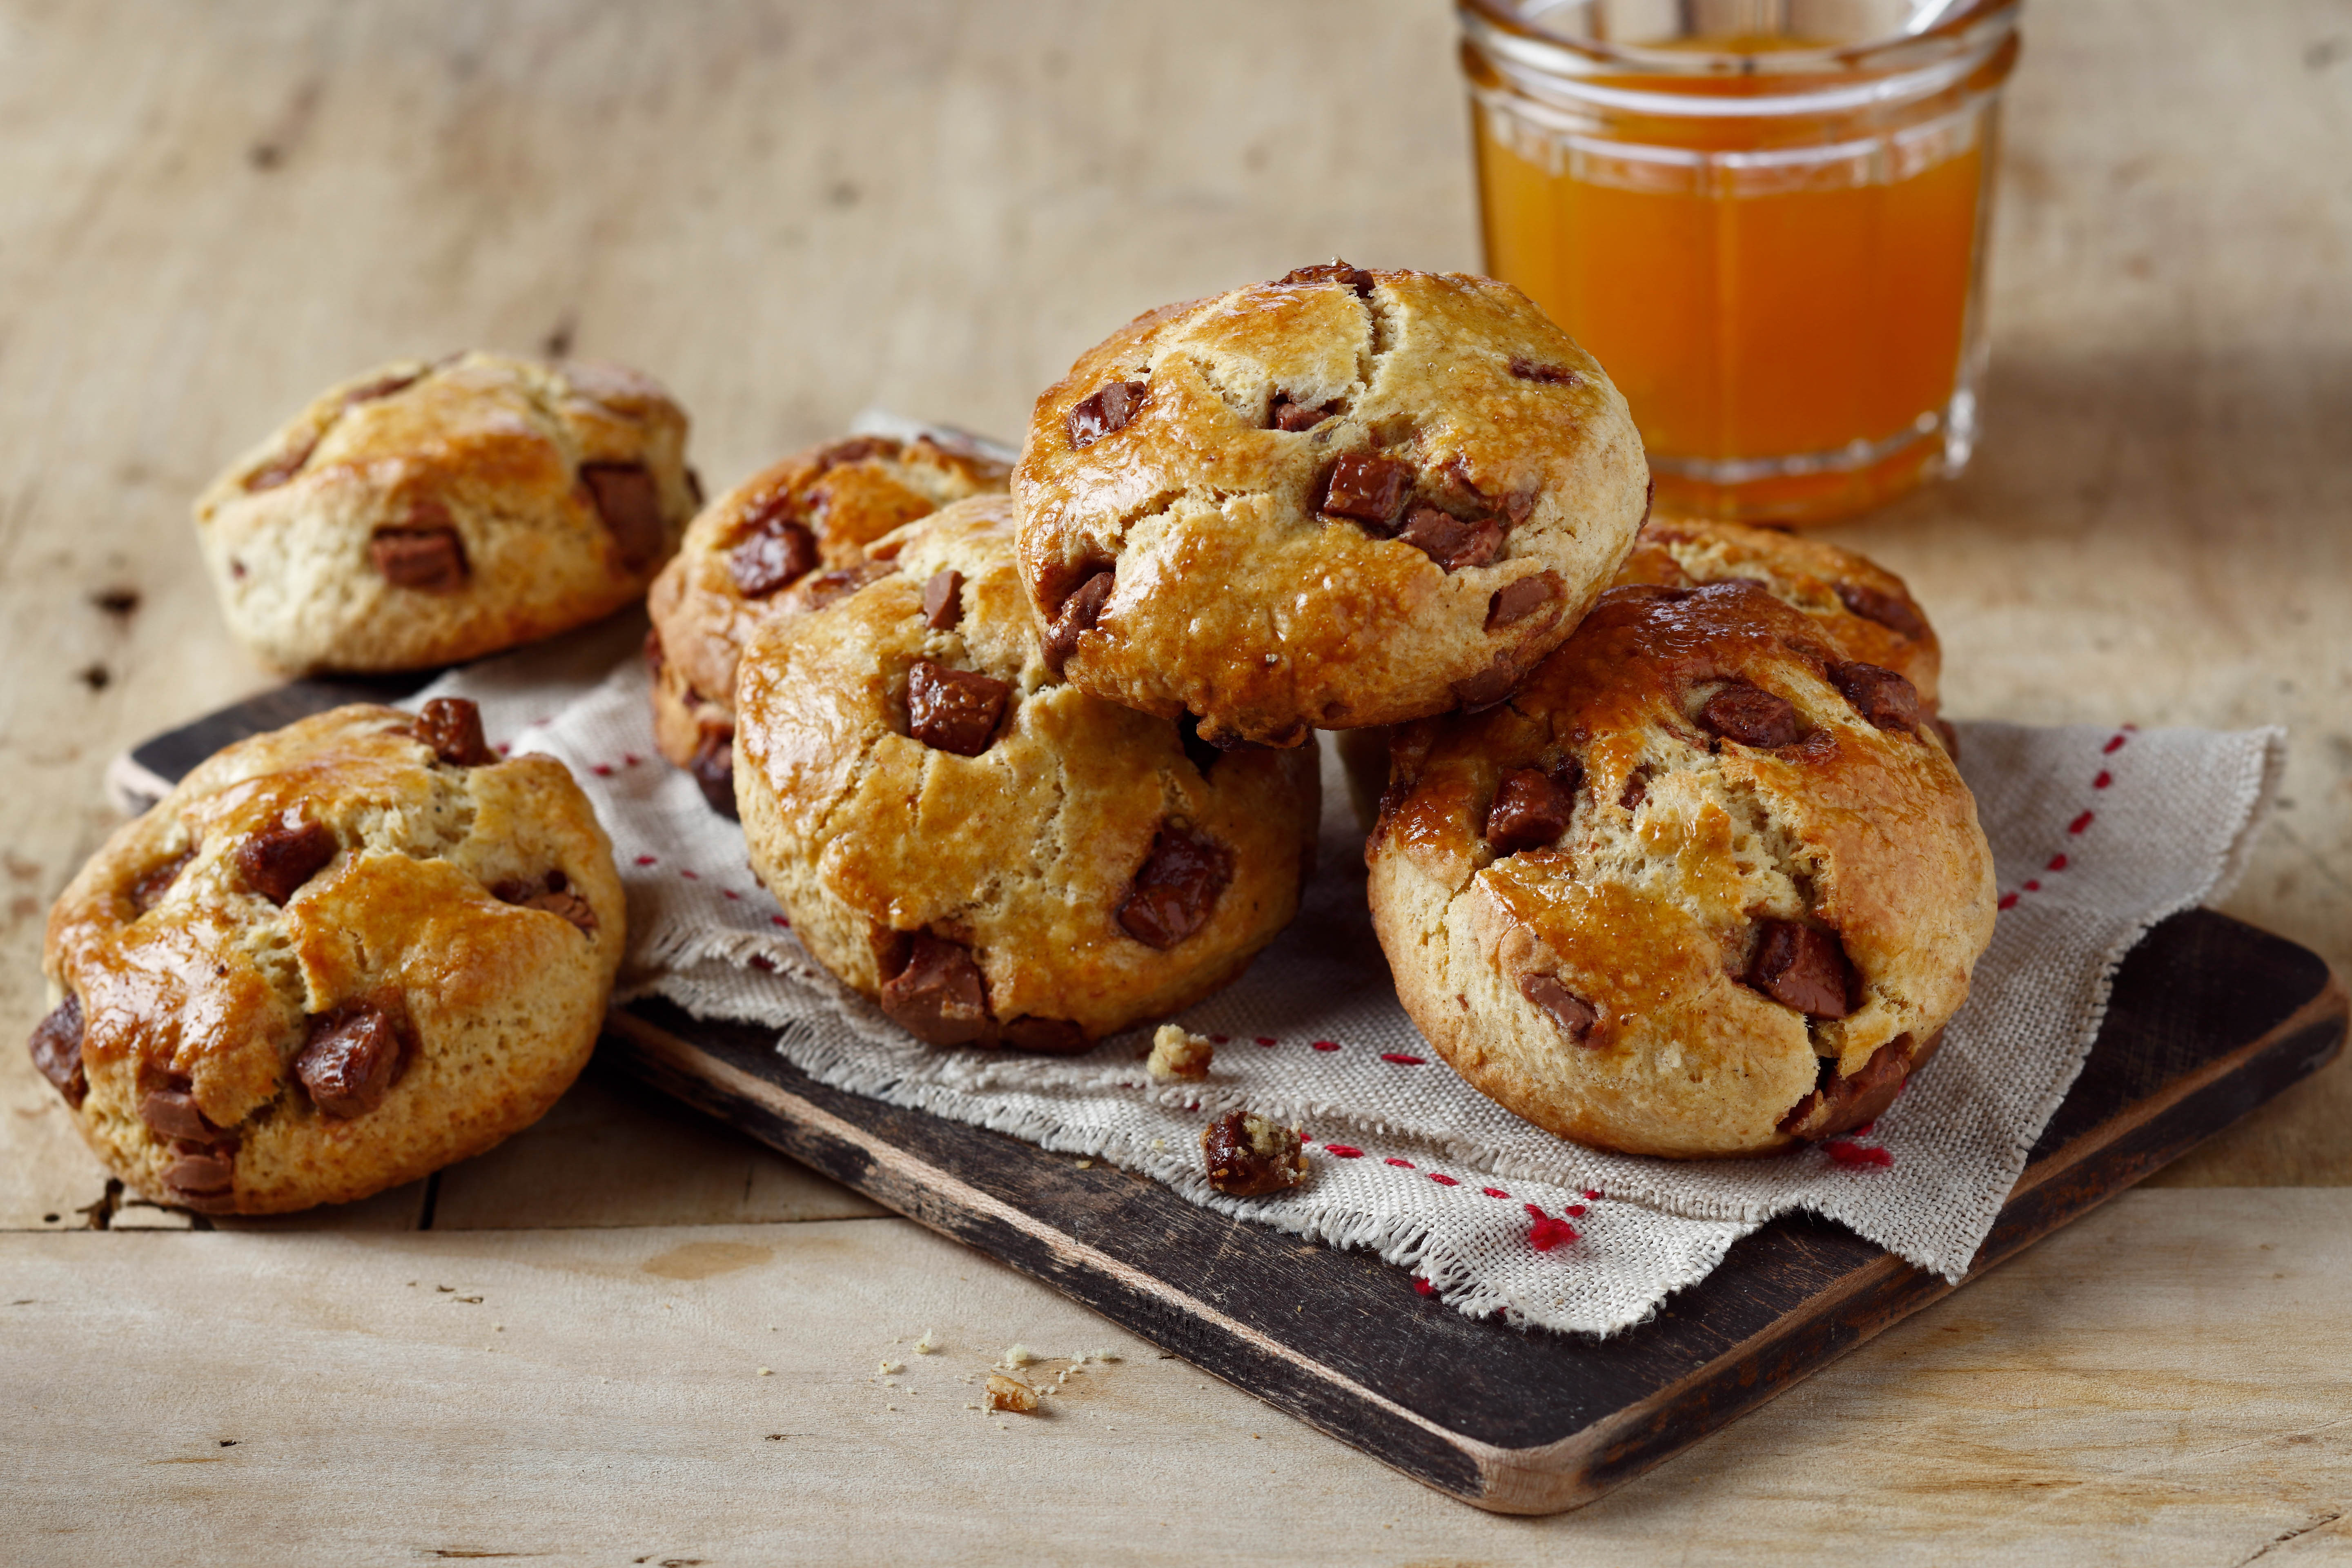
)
(790, 212)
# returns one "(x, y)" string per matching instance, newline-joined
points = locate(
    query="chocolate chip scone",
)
(337, 957)
(1703, 887)
(789, 538)
(989, 853)
(432, 512)
(1858, 605)
(1343, 498)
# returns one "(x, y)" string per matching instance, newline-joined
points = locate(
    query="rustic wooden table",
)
(629, 1336)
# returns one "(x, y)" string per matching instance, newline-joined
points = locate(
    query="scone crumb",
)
(767, 1371)
(1177, 1054)
(888, 1367)
(1011, 1394)
(1017, 1355)
(1249, 1156)
(1105, 1356)
(927, 1345)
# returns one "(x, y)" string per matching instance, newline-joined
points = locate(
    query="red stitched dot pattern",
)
(2075, 829)
(1854, 1156)
(1401, 1059)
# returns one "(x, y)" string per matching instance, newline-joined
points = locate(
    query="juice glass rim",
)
(1794, 81)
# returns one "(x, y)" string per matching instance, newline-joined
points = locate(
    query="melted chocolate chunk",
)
(1176, 888)
(943, 599)
(276, 859)
(1897, 613)
(432, 560)
(1056, 1036)
(1481, 691)
(1577, 1018)
(382, 387)
(156, 880)
(713, 768)
(1295, 416)
(1104, 410)
(822, 589)
(939, 995)
(1450, 541)
(1333, 271)
(1879, 695)
(629, 502)
(1367, 488)
(57, 1049)
(777, 554)
(200, 1175)
(1550, 374)
(283, 467)
(552, 894)
(856, 449)
(452, 726)
(1079, 613)
(1749, 715)
(1803, 967)
(1531, 810)
(1841, 1104)
(350, 1061)
(1515, 602)
(954, 710)
(170, 1111)
(1248, 1156)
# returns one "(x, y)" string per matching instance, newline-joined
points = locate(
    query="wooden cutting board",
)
(2209, 1018)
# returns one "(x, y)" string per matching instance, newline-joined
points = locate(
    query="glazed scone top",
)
(1268, 573)
(475, 905)
(1684, 847)
(1025, 851)
(817, 510)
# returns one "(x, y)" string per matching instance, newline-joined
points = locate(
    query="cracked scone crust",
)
(1042, 876)
(1340, 500)
(745, 554)
(451, 930)
(431, 512)
(1628, 925)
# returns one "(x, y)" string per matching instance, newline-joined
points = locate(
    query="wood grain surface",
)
(791, 211)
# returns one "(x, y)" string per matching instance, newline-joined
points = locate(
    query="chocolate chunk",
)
(432, 560)
(1295, 416)
(552, 894)
(1636, 790)
(1451, 542)
(856, 449)
(170, 1111)
(630, 503)
(1879, 695)
(1531, 810)
(1248, 1156)
(1055, 1037)
(452, 726)
(57, 1049)
(939, 995)
(954, 710)
(1079, 613)
(1365, 488)
(1803, 967)
(1333, 271)
(276, 859)
(1202, 751)
(1104, 410)
(1577, 1018)
(1893, 611)
(1481, 691)
(778, 554)
(200, 1175)
(1550, 374)
(283, 467)
(1514, 602)
(822, 589)
(382, 387)
(156, 880)
(1749, 715)
(943, 599)
(1841, 1104)
(713, 768)
(1176, 888)
(350, 1061)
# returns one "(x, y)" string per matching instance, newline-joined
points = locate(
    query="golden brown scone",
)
(1338, 500)
(785, 528)
(1861, 607)
(337, 957)
(1704, 886)
(426, 513)
(989, 853)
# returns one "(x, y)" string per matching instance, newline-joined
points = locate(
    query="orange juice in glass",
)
(1766, 218)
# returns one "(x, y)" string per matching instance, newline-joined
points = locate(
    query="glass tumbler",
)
(1766, 218)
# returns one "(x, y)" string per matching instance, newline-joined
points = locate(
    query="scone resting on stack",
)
(789, 539)
(988, 852)
(1343, 498)
(426, 513)
(1705, 885)
(337, 957)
